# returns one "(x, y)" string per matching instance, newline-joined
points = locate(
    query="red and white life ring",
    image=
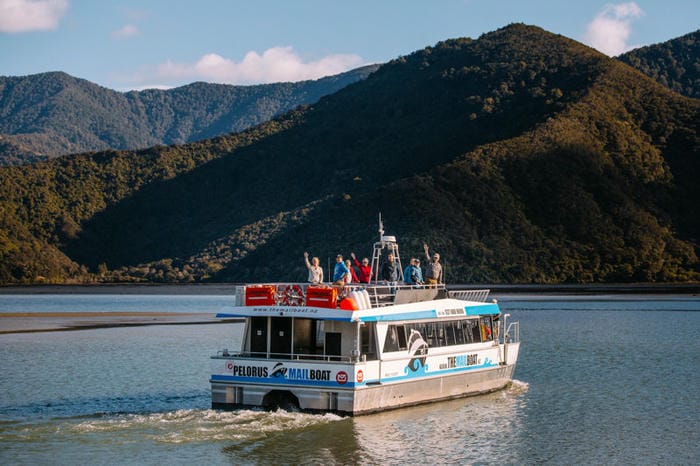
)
(293, 295)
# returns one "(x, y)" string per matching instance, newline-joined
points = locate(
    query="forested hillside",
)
(675, 63)
(522, 156)
(51, 114)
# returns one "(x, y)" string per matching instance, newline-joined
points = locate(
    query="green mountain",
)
(675, 63)
(522, 156)
(51, 114)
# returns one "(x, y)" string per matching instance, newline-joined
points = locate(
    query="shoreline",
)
(222, 289)
(124, 288)
(35, 322)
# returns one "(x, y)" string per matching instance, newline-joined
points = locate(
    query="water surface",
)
(600, 380)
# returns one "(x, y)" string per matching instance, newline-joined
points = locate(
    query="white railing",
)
(512, 334)
(478, 296)
(225, 354)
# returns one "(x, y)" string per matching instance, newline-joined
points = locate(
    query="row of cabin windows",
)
(436, 334)
(298, 337)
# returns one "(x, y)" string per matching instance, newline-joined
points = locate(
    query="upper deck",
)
(357, 302)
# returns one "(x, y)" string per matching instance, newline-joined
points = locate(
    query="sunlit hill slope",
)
(522, 156)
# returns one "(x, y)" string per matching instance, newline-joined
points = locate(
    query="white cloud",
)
(277, 64)
(30, 15)
(126, 32)
(611, 28)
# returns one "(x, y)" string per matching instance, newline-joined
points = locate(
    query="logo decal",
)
(341, 377)
(418, 349)
(279, 370)
(360, 376)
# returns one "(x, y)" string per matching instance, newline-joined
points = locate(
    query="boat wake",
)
(172, 427)
(192, 425)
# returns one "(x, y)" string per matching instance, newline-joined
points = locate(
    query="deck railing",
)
(225, 354)
(512, 334)
(478, 296)
(380, 294)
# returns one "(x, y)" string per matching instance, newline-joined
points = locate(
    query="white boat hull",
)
(354, 398)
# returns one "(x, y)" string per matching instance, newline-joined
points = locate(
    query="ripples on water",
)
(250, 436)
(597, 384)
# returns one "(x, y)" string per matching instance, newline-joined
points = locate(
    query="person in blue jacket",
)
(409, 272)
(419, 273)
(340, 271)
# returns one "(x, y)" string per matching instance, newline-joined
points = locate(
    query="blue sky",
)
(125, 44)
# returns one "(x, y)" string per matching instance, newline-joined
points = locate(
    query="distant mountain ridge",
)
(51, 114)
(674, 63)
(522, 157)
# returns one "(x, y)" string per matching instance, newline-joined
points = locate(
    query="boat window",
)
(486, 329)
(428, 332)
(459, 334)
(419, 328)
(304, 336)
(438, 334)
(472, 334)
(367, 344)
(450, 338)
(320, 334)
(395, 338)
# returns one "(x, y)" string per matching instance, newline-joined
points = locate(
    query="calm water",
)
(603, 380)
(111, 303)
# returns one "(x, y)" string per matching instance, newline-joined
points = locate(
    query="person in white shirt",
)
(315, 269)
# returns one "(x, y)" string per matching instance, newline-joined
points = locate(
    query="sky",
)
(129, 44)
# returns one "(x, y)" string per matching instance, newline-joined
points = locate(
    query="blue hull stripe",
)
(413, 376)
(421, 374)
(282, 381)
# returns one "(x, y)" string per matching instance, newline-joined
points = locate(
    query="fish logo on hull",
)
(418, 349)
(279, 370)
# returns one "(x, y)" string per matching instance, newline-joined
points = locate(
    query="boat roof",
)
(425, 310)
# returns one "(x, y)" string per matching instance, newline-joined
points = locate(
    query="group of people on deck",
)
(344, 273)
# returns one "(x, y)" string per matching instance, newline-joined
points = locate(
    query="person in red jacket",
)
(364, 268)
(352, 278)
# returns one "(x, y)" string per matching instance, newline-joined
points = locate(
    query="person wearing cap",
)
(340, 271)
(365, 270)
(419, 272)
(433, 271)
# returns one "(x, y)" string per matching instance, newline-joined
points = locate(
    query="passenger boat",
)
(363, 347)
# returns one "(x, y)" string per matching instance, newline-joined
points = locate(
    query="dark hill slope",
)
(411, 115)
(523, 155)
(55, 113)
(603, 192)
(675, 63)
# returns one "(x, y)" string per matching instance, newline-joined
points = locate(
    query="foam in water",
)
(517, 387)
(191, 425)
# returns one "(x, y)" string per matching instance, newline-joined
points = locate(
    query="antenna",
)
(381, 227)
